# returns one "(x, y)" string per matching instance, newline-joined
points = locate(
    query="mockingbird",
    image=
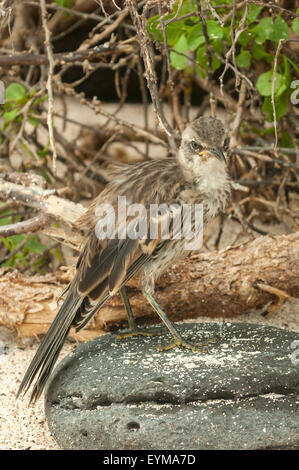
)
(196, 175)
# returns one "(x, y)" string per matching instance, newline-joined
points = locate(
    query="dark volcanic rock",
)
(242, 393)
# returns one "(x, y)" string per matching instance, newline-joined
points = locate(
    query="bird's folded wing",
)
(104, 266)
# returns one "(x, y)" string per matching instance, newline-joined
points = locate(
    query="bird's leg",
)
(134, 329)
(178, 339)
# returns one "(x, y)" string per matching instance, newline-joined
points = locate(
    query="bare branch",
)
(65, 57)
(147, 52)
(31, 225)
(49, 81)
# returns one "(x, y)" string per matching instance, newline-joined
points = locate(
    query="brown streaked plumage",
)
(198, 174)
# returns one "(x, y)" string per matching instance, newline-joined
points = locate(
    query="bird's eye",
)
(195, 146)
(226, 144)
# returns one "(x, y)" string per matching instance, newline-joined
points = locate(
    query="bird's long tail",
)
(49, 349)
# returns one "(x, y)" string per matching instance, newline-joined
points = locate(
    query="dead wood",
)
(217, 284)
(51, 209)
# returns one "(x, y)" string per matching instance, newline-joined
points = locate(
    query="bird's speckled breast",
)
(174, 250)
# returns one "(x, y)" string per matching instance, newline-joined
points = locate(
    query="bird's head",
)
(203, 147)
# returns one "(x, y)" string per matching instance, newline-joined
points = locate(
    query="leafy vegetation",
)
(19, 107)
(16, 98)
(20, 247)
(257, 42)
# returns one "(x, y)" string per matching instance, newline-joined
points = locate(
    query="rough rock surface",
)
(242, 393)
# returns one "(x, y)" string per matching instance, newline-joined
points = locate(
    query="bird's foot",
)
(179, 342)
(137, 331)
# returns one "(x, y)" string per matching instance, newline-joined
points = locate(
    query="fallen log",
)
(222, 283)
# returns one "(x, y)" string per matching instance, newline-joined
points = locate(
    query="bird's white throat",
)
(212, 177)
(215, 184)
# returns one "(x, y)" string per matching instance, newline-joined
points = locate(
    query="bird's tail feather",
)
(49, 349)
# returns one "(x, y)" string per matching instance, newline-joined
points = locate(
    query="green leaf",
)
(286, 140)
(34, 245)
(41, 99)
(16, 239)
(174, 31)
(216, 63)
(45, 175)
(196, 38)
(243, 59)
(267, 30)
(152, 27)
(295, 26)
(201, 57)
(218, 45)
(10, 115)
(264, 84)
(7, 243)
(33, 121)
(281, 106)
(244, 38)
(5, 220)
(254, 12)
(13, 241)
(214, 30)
(280, 30)
(177, 61)
(263, 30)
(226, 35)
(15, 92)
(186, 7)
(258, 52)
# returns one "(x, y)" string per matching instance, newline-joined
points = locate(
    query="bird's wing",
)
(106, 265)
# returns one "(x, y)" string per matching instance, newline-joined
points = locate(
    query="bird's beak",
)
(217, 151)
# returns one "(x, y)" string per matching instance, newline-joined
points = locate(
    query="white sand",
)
(24, 427)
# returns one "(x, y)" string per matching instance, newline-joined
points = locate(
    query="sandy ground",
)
(24, 427)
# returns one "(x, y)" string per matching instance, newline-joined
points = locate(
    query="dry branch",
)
(31, 225)
(218, 284)
(147, 52)
(64, 57)
(49, 83)
(51, 209)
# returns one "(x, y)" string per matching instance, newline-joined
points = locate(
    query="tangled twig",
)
(49, 82)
